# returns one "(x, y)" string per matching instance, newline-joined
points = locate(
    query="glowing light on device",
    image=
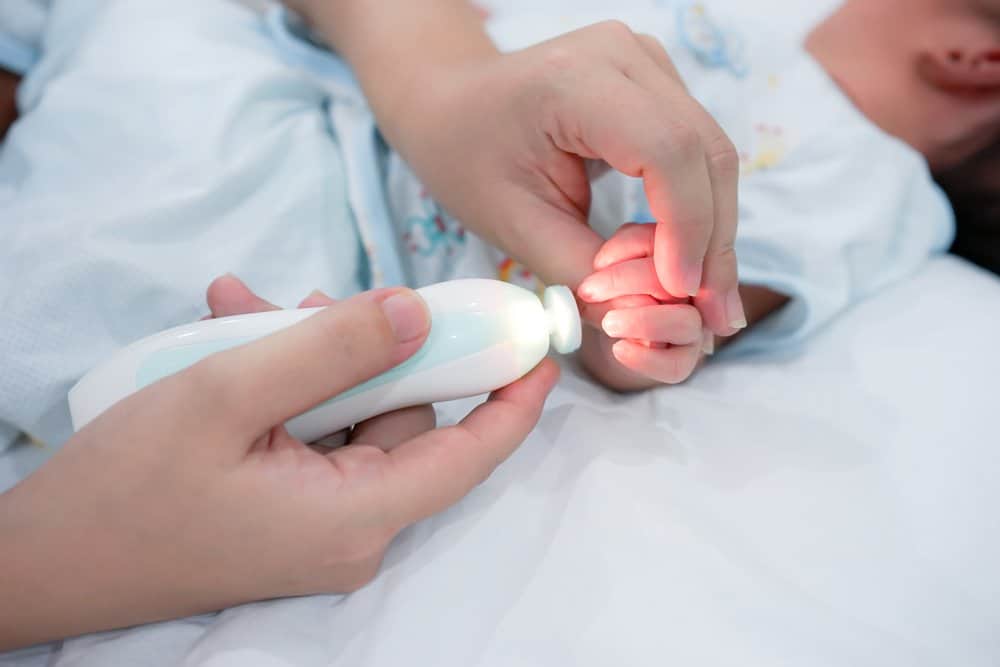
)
(563, 319)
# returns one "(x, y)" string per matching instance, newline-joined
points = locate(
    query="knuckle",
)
(727, 249)
(648, 40)
(558, 58)
(676, 144)
(361, 333)
(332, 325)
(615, 30)
(725, 254)
(722, 265)
(685, 142)
(551, 85)
(722, 154)
(364, 462)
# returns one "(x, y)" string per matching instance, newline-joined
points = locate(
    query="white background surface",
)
(835, 507)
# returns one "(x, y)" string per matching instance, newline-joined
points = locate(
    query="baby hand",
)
(660, 337)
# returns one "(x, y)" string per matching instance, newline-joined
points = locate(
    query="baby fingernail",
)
(587, 289)
(612, 325)
(692, 279)
(407, 314)
(734, 310)
(707, 342)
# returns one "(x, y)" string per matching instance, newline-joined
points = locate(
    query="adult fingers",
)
(315, 299)
(634, 276)
(228, 295)
(654, 49)
(631, 241)
(256, 386)
(643, 135)
(391, 429)
(435, 470)
(542, 227)
(718, 298)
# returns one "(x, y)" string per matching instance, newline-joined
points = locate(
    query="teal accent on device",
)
(452, 336)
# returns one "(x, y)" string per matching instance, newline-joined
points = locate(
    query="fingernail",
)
(734, 310)
(707, 342)
(586, 289)
(612, 325)
(599, 261)
(692, 279)
(407, 315)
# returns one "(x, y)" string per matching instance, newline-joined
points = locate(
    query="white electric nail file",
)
(484, 335)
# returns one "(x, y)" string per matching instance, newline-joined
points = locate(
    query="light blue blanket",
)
(116, 216)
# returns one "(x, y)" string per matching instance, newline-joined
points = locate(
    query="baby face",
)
(926, 71)
(961, 64)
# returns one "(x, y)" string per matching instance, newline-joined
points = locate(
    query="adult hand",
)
(601, 93)
(190, 496)
(501, 139)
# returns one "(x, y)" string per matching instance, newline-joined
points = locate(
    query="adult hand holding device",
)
(189, 496)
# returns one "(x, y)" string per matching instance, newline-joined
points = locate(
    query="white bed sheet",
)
(837, 506)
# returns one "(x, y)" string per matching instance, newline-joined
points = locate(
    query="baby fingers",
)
(668, 365)
(674, 324)
(631, 241)
(635, 276)
(593, 313)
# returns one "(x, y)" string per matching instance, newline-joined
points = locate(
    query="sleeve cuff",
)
(15, 55)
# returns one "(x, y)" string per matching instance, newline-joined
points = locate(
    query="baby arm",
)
(637, 335)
